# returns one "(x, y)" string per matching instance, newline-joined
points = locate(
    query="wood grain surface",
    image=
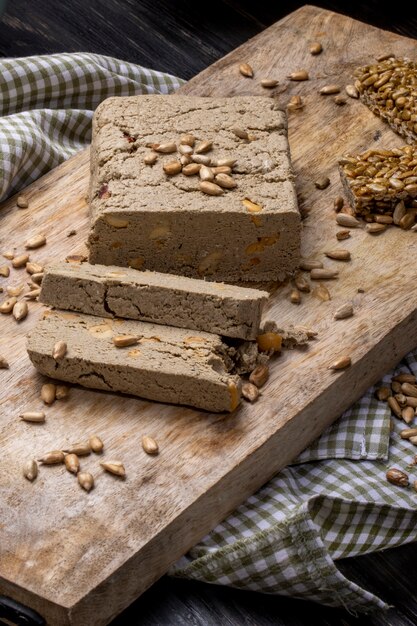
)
(61, 550)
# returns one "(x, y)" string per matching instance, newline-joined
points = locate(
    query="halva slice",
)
(179, 301)
(201, 187)
(164, 363)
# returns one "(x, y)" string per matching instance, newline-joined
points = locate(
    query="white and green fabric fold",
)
(334, 501)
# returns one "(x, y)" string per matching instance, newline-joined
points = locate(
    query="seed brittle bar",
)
(167, 364)
(389, 89)
(376, 180)
(110, 291)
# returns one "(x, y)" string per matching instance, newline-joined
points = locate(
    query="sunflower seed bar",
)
(110, 291)
(166, 364)
(389, 89)
(147, 214)
(376, 180)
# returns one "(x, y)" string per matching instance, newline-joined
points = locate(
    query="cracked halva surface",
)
(144, 219)
(110, 291)
(167, 364)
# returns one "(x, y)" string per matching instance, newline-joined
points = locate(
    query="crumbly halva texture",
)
(376, 180)
(109, 291)
(142, 218)
(389, 89)
(167, 364)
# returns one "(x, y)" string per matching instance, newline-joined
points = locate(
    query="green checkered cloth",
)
(334, 501)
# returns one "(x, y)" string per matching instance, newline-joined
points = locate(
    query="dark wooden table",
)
(184, 37)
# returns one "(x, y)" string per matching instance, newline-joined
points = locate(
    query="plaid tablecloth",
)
(334, 501)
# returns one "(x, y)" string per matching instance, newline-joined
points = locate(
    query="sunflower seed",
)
(409, 390)
(172, 168)
(399, 212)
(323, 274)
(37, 277)
(185, 150)
(72, 463)
(394, 406)
(383, 393)
(246, 70)
(340, 100)
(242, 134)
(59, 350)
(30, 470)
(397, 477)
(328, 90)
(407, 221)
(310, 264)
(338, 254)
(259, 375)
(85, 480)
(62, 392)
(48, 393)
(348, 221)
(20, 311)
(37, 417)
(295, 103)
(298, 75)
(375, 229)
(32, 294)
(322, 182)
(165, 148)
(187, 140)
(34, 268)
(405, 378)
(4, 365)
(149, 445)
(7, 305)
(408, 414)
(343, 312)
(321, 293)
(252, 207)
(269, 83)
(211, 189)
(35, 242)
(410, 401)
(96, 444)
(401, 399)
(185, 159)
(408, 432)
(80, 449)
(52, 458)
(20, 261)
(222, 169)
(204, 146)
(341, 363)
(396, 387)
(295, 296)
(114, 467)
(316, 48)
(202, 159)
(383, 219)
(206, 173)
(413, 440)
(224, 162)
(250, 392)
(5, 271)
(338, 204)
(191, 169)
(150, 158)
(121, 341)
(225, 181)
(9, 255)
(301, 284)
(341, 235)
(22, 202)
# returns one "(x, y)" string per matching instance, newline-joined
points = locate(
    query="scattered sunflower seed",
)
(96, 444)
(52, 458)
(408, 414)
(394, 406)
(48, 393)
(114, 467)
(338, 254)
(269, 342)
(149, 445)
(348, 221)
(250, 392)
(246, 70)
(32, 294)
(206, 173)
(172, 168)
(37, 277)
(298, 75)
(338, 203)
(191, 169)
(329, 90)
(316, 48)
(301, 284)
(150, 158)
(20, 311)
(211, 189)
(340, 100)
(259, 375)
(341, 363)
(295, 296)
(20, 261)
(35, 242)
(187, 140)
(321, 293)
(9, 255)
(310, 264)
(34, 268)
(341, 235)
(397, 477)
(323, 274)
(185, 150)
(72, 463)
(375, 229)
(225, 181)
(405, 378)
(409, 389)
(383, 393)
(22, 202)
(62, 392)
(202, 159)
(5, 271)
(30, 470)
(165, 148)
(322, 183)
(344, 311)
(80, 449)
(269, 83)
(85, 480)
(7, 305)
(37, 417)
(203, 147)
(352, 92)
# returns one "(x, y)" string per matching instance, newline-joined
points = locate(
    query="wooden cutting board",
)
(81, 558)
